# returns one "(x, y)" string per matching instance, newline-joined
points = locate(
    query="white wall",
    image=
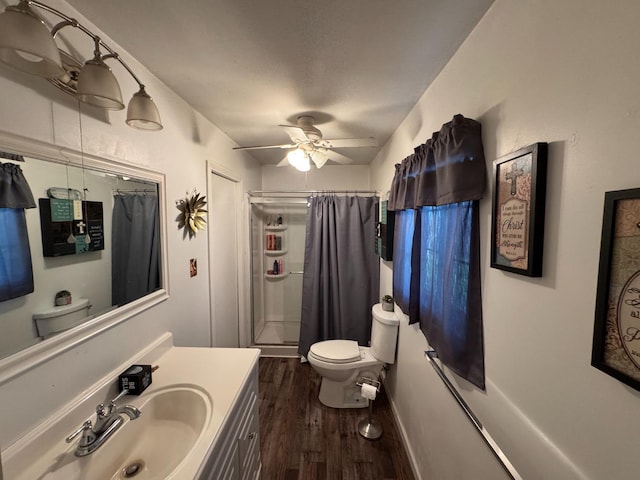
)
(329, 177)
(565, 73)
(33, 108)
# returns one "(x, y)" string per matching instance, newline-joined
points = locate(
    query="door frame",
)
(214, 168)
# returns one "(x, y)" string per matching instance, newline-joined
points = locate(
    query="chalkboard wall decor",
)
(70, 226)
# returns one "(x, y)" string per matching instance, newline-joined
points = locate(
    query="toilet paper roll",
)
(368, 391)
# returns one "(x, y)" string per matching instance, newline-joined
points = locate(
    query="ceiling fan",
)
(307, 144)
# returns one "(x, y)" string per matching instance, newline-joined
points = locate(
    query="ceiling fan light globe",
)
(299, 160)
(304, 166)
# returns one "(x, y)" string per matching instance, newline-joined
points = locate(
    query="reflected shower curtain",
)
(136, 247)
(341, 278)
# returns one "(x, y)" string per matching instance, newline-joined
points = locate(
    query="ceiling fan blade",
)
(296, 134)
(349, 142)
(264, 147)
(339, 158)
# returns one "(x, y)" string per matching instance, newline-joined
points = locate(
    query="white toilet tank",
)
(58, 319)
(384, 333)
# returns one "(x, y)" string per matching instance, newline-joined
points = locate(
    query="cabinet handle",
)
(252, 435)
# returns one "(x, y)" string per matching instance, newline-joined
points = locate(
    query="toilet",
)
(341, 363)
(58, 319)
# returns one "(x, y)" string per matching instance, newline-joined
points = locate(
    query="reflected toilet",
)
(58, 319)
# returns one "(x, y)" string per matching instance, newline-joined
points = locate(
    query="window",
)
(436, 282)
(436, 262)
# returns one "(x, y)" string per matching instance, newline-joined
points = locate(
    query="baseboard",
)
(285, 351)
(403, 437)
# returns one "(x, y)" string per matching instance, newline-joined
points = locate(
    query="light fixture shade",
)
(299, 160)
(26, 44)
(319, 158)
(98, 86)
(142, 113)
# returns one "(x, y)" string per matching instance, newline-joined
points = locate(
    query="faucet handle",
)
(103, 412)
(84, 428)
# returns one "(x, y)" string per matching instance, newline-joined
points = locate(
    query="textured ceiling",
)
(251, 65)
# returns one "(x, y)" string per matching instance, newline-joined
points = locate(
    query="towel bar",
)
(495, 449)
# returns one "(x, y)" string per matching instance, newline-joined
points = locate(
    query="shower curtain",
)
(341, 278)
(136, 247)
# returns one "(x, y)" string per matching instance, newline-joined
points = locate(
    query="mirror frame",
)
(30, 357)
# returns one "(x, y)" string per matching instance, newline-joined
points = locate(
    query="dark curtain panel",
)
(436, 277)
(136, 247)
(341, 278)
(405, 284)
(16, 273)
(450, 306)
(14, 189)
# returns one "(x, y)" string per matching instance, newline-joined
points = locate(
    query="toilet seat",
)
(336, 351)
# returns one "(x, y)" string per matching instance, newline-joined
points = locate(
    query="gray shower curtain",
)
(136, 247)
(341, 278)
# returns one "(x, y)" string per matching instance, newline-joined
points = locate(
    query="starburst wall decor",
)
(193, 216)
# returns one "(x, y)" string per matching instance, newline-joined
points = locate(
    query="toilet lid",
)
(336, 351)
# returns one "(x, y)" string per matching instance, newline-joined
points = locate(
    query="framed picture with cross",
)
(517, 227)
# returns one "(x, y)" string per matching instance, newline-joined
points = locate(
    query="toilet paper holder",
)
(369, 427)
(370, 381)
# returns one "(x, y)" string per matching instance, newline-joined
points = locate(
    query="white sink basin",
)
(152, 446)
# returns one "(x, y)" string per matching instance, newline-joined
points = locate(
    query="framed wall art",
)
(616, 337)
(517, 227)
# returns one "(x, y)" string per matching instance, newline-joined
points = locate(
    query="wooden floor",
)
(301, 439)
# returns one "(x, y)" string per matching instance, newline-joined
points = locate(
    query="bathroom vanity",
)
(199, 420)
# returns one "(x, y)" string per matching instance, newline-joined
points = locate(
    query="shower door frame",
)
(264, 197)
(275, 197)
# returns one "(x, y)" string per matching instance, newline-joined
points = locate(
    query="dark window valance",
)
(447, 168)
(14, 189)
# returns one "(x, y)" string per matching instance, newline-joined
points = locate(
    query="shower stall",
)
(277, 235)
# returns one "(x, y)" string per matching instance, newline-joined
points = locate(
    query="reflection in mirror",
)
(94, 238)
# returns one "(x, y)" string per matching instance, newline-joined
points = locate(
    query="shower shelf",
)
(270, 276)
(275, 252)
(275, 228)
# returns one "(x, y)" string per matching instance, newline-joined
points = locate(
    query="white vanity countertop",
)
(220, 372)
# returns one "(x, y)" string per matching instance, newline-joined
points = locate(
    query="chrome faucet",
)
(108, 420)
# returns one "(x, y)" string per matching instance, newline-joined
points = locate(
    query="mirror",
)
(95, 255)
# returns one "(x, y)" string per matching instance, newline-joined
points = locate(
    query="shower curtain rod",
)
(257, 193)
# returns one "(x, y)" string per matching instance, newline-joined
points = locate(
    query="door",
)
(223, 260)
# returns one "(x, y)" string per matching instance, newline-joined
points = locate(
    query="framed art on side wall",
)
(517, 227)
(616, 336)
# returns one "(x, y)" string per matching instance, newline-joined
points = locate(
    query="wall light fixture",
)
(28, 45)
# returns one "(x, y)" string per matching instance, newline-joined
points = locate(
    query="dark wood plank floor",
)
(301, 439)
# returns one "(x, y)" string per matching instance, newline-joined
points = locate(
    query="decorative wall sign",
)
(616, 337)
(193, 216)
(69, 227)
(517, 227)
